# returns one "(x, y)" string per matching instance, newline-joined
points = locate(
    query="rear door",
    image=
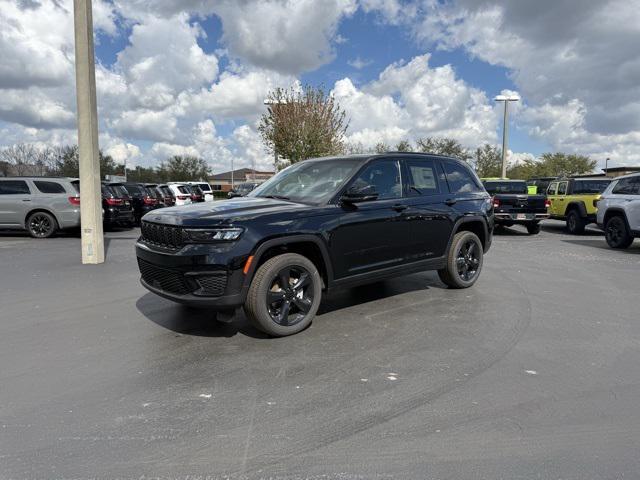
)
(15, 202)
(372, 235)
(430, 218)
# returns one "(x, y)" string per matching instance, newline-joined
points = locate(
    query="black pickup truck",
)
(512, 205)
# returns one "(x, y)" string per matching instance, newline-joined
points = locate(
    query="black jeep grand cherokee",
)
(319, 225)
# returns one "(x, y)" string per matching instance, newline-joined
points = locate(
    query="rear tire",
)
(284, 295)
(533, 228)
(575, 223)
(41, 225)
(617, 234)
(464, 261)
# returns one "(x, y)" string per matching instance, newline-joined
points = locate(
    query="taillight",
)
(496, 203)
(595, 202)
(547, 203)
(74, 201)
(183, 197)
(114, 201)
(150, 201)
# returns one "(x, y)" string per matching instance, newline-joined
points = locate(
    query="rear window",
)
(590, 186)
(119, 190)
(205, 187)
(49, 187)
(14, 187)
(182, 189)
(134, 189)
(505, 187)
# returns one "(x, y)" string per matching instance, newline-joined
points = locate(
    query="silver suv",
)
(40, 205)
(619, 211)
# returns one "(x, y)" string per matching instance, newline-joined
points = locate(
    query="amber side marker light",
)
(247, 265)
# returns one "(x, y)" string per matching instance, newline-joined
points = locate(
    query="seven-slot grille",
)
(166, 236)
(168, 280)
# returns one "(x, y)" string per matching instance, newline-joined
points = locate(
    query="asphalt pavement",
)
(534, 373)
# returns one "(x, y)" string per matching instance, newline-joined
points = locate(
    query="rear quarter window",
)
(49, 187)
(460, 178)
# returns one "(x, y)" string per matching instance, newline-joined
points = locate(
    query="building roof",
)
(237, 174)
(622, 169)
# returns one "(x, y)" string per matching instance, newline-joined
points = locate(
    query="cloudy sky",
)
(190, 76)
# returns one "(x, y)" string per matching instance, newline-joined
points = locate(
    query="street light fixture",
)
(505, 128)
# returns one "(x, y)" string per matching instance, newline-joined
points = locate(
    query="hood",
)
(221, 212)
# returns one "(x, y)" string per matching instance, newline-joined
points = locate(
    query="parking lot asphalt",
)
(532, 373)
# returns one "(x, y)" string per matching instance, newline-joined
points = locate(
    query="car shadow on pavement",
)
(602, 245)
(199, 322)
(371, 292)
(561, 229)
(510, 232)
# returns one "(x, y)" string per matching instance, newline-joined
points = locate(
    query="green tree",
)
(443, 146)
(67, 163)
(488, 161)
(381, 147)
(184, 168)
(553, 165)
(301, 124)
(403, 146)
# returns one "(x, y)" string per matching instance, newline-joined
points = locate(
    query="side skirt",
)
(389, 272)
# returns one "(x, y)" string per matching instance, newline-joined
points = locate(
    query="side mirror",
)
(356, 194)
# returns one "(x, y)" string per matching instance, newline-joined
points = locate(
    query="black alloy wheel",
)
(41, 225)
(290, 297)
(467, 260)
(616, 233)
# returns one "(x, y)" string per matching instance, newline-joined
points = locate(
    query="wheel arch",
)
(40, 209)
(309, 246)
(577, 205)
(616, 212)
(475, 224)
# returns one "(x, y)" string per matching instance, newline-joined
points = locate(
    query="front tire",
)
(617, 234)
(464, 261)
(575, 223)
(284, 295)
(41, 225)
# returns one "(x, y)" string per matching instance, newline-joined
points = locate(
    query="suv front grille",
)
(166, 236)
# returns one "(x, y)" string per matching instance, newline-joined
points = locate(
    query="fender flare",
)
(470, 219)
(580, 206)
(617, 211)
(286, 240)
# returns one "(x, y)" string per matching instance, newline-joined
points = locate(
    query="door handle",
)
(450, 201)
(399, 207)
(26, 200)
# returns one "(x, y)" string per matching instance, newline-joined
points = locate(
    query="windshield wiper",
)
(277, 197)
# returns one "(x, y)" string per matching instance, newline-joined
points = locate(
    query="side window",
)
(460, 179)
(14, 187)
(49, 187)
(562, 188)
(626, 186)
(423, 177)
(553, 189)
(384, 176)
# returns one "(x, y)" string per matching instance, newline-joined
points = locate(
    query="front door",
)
(372, 235)
(15, 199)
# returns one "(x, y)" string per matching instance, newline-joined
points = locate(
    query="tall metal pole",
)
(90, 195)
(231, 172)
(505, 129)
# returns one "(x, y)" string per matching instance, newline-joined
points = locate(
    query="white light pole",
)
(90, 196)
(505, 127)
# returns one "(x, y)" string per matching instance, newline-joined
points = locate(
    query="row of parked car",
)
(612, 204)
(44, 205)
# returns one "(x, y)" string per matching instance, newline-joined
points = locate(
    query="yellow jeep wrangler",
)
(574, 200)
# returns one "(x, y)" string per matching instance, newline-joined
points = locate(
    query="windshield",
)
(506, 187)
(590, 186)
(309, 182)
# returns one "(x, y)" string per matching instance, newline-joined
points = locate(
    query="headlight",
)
(214, 234)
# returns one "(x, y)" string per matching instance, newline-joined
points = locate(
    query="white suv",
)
(206, 190)
(619, 211)
(183, 197)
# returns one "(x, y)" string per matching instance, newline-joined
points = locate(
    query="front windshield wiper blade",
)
(277, 197)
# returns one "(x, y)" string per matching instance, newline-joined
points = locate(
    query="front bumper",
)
(197, 280)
